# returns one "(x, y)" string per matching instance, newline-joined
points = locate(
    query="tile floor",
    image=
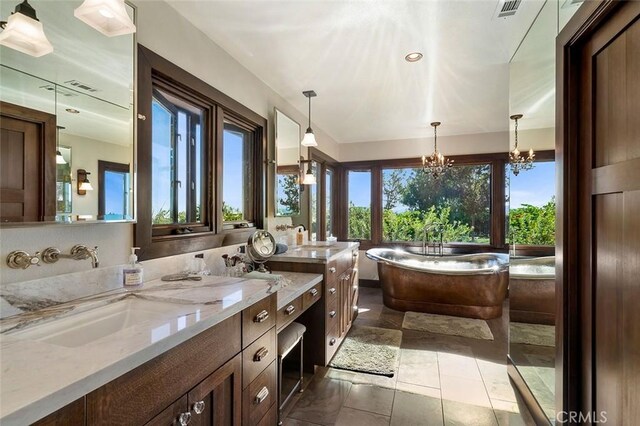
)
(442, 380)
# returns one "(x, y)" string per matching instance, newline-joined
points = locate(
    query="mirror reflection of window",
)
(287, 194)
(63, 182)
(114, 185)
(328, 184)
(237, 173)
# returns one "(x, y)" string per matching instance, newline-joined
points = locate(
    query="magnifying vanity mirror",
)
(287, 178)
(67, 118)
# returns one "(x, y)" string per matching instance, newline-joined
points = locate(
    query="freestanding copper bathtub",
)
(471, 285)
(532, 290)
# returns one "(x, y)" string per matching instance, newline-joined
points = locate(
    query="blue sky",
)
(535, 186)
(233, 173)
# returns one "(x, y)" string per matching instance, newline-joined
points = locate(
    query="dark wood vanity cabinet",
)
(329, 321)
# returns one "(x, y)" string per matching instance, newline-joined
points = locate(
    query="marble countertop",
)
(297, 284)
(39, 377)
(315, 252)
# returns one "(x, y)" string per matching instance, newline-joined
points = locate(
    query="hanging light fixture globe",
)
(517, 161)
(309, 138)
(436, 164)
(24, 32)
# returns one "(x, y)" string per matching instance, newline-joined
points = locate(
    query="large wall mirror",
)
(531, 209)
(287, 178)
(67, 147)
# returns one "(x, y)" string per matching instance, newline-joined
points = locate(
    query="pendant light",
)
(59, 158)
(23, 32)
(309, 178)
(110, 17)
(436, 164)
(309, 138)
(517, 161)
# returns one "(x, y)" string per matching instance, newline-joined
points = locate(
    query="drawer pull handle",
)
(198, 407)
(313, 292)
(332, 341)
(332, 290)
(261, 317)
(332, 269)
(332, 314)
(184, 418)
(261, 354)
(262, 395)
(290, 309)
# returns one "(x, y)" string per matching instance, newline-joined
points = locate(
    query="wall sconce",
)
(83, 182)
(110, 17)
(23, 32)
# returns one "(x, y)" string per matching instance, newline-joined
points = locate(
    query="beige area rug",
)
(445, 324)
(369, 350)
(532, 334)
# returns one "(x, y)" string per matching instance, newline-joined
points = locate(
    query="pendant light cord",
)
(309, 111)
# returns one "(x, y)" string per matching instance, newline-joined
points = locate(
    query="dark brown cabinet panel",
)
(259, 396)
(217, 400)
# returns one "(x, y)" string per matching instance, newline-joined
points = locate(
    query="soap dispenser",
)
(299, 237)
(132, 273)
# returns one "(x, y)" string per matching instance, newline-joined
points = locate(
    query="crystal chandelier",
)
(436, 164)
(517, 161)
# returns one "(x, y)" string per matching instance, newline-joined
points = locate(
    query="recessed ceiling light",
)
(413, 57)
(72, 111)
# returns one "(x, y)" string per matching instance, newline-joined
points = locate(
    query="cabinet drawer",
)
(332, 291)
(332, 342)
(257, 356)
(289, 312)
(257, 319)
(311, 296)
(332, 271)
(332, 314)
(271, 418)
(259, 396)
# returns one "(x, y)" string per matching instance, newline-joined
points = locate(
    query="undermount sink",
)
(85, 327)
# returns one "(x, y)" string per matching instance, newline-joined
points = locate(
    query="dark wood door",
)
(27, 164)
(600, 240)
(217, 400)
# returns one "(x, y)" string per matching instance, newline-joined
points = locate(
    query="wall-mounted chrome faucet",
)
(78, 252)
(20, 259)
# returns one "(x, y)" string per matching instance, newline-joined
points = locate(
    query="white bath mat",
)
(445, 324)
(532, 334)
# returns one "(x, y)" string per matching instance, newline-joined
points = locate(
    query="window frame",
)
(497, 162)
(325, 162)
(103, 168)
(152, 67)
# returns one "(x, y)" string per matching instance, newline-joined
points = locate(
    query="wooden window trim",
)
(152, 67)
(103, 167)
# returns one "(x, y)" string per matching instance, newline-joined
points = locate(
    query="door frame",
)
(47, 169)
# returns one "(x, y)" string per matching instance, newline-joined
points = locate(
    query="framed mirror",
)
(287, 177)
(78, 101)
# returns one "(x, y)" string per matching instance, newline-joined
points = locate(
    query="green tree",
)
(230, 214)
(359, 222)
(531, 225)
(393, 189)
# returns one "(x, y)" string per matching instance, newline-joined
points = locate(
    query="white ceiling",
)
(352, 54)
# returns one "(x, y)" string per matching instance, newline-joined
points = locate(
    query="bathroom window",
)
(458, 204)
(237, 172)
(359, 204)
(532, 205)
(328, 199)
(178, 163)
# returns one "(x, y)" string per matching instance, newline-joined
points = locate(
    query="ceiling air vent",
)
(60, 91)
(81, 85)
(508, 8)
